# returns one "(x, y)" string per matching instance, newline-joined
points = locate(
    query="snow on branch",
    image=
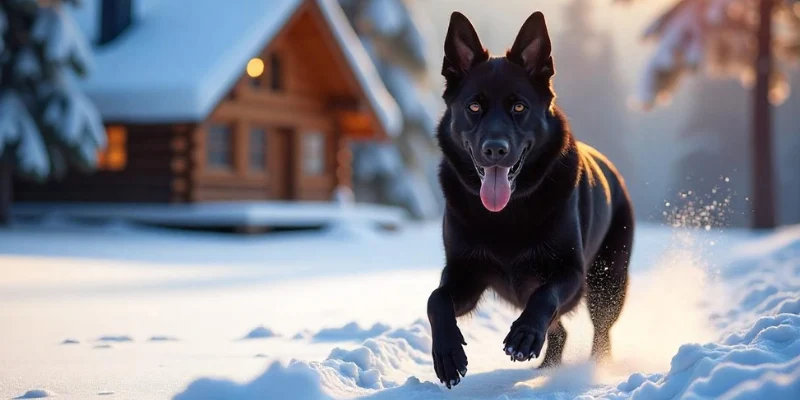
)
(717, 36)
(26, 65)
(46, 122)
(61, 39)
(74, 121)
(18, 132)
(388, 16)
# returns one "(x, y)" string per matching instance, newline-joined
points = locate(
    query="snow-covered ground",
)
(135, 313)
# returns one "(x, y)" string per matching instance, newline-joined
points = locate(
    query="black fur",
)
(568, 227)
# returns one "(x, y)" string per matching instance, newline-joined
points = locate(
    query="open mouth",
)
(497, 182)
(512, 174)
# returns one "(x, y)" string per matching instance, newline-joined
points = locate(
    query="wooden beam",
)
(207, 193)
(355, 124)
(284, 100)
(219, 180)
(240, 145)
(271, 117)
(185, 155)
(349, 75)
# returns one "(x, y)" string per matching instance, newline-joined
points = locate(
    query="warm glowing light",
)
(779, 94)
(748, 78)
(115, 156)
(255, 67)
(797, 9)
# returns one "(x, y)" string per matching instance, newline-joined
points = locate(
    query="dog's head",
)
(496, 121)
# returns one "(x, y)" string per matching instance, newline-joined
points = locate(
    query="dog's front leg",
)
(528, 332)
(457, 294)
(449, 359)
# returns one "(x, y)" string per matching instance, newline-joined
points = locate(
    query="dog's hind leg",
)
(556, 338)
(607, 280)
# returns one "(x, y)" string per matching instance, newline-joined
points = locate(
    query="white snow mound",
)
(260, 332)
(766, 355)
(373, 365)
(759, 357)
(351, 331)
(755, 300)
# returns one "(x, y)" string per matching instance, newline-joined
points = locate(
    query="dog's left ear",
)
(532, 48)
(462, 48)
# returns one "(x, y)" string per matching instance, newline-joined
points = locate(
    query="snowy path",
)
(155, 312)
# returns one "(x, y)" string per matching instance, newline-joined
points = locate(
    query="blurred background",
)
(108, 103)
(182, 181)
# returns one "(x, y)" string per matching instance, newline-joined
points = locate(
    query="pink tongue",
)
(495, 189)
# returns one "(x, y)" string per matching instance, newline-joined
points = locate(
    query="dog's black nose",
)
(495, 149)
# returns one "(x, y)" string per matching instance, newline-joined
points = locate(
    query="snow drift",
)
(373, 365)
(351, 331)
(753, 307)
(260, 332)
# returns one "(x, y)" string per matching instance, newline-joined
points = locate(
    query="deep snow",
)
(709, 315)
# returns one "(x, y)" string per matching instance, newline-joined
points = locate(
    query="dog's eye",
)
(474, 107)
(518, 107)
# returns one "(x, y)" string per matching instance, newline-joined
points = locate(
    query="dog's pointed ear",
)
(462, 48)
(532, 48)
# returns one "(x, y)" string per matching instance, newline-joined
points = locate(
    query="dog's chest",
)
(515, 276)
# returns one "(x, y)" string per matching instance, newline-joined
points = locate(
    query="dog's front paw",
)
(525, 341)
(449, 359)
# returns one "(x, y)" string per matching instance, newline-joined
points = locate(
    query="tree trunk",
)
(5, 193)
(763, 179)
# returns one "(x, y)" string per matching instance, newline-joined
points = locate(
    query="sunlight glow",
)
(255, 67)
(779, 94)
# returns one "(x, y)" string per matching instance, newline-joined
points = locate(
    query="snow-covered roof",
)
(178, 60)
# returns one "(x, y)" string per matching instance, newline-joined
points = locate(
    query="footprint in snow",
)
(163, 339)
(260, 332)
(35, 394)
(118, 339)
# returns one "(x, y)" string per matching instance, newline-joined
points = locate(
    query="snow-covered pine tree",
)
(751, 40)
(46, 122)
(402, 173)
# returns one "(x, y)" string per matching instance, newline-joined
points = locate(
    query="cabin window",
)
(276, 73)
(219, 148)
(115, 156)
(314, 153)
(257, 150)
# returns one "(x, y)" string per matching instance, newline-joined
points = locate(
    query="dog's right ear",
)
(462, 48)
(532, 48)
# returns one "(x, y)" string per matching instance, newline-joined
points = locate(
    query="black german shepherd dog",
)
(531, 213)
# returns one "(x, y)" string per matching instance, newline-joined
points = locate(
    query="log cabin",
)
(205, 101)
